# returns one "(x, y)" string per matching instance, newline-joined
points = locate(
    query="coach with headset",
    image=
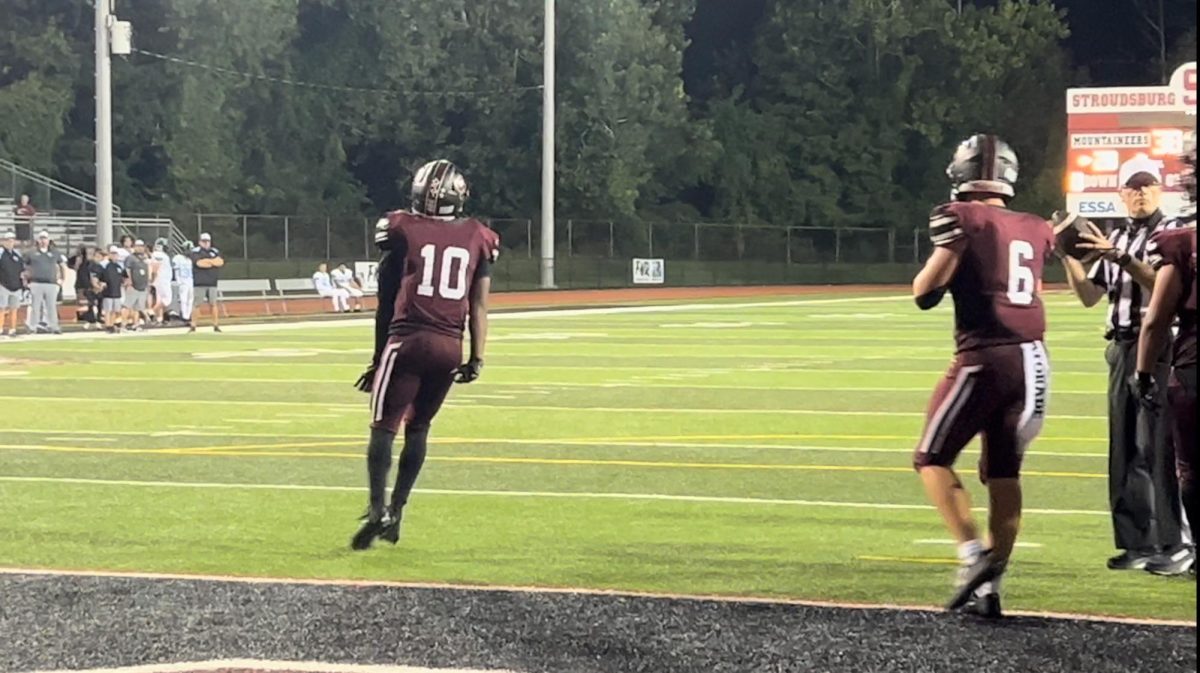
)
(1143, 491)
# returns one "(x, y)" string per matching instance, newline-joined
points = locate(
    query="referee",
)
(1143, 491)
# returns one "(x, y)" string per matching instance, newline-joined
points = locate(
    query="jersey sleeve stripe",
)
(944, 229)
(948, 237)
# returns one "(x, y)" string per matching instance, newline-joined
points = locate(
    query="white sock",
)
(969, 551)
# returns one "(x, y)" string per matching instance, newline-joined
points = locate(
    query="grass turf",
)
(748, 448)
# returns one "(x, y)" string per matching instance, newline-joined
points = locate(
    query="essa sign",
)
(1114, 130)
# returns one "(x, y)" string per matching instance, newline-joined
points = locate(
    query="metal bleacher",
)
(68, 214)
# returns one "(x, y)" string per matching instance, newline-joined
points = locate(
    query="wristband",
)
(1124, 260)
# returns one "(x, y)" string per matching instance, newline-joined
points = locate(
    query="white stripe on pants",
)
(43, 305)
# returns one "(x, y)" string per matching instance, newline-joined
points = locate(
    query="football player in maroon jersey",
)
(990, 259)
(1173, 255)
(434, 280)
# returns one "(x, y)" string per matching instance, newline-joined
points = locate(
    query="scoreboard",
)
(1116, 131)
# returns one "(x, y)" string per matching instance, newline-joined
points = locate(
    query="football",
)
(1068, 230)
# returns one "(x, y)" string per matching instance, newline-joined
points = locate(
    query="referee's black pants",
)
(1142, 486)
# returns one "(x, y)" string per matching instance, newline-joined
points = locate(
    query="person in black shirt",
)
(86, 301)
(12, 283)
(112, 280)
(206, 273)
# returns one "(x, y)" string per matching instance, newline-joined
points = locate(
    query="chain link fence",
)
(589, 253)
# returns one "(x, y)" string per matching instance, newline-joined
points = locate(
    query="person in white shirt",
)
(161, 275)
(184, 292)
(325, 288)
(343, 279)
(126, 248)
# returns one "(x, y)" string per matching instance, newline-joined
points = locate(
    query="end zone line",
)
(584, 495)
(579, 591)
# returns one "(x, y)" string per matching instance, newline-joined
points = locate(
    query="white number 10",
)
(1021, 282)
(450, 272)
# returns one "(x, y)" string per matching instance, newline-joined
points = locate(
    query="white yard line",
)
(360, 323)
(583, 591)
(525, 408)
(635, 382)
(659, 497)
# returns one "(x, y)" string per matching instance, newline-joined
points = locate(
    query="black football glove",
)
(367, 380)
(1145, 389)
(468, 372)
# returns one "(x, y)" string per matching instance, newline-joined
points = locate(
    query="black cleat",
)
(984, 569)
(391, 529)
(1170, 564)
(1130, 560)
(986, 606)
(216, 329)
(387, 528)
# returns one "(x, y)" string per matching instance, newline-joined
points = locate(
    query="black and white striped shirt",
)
(1127, 301)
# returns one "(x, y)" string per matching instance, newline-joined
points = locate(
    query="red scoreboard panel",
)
(1117, 131)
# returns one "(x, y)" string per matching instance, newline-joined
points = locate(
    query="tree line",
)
(841, 112)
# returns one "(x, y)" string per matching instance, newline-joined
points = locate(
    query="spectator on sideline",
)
(126, 248)
(161, 277)
(343, 279)
(206, 273)
(112, 282)
(24, 212)
(85, 297)
(325, 288)
(47, 271)
(1143, 490)
(12, 283)
(137, 271)
(182, 286)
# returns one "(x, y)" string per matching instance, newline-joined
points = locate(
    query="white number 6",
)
(1021, 282)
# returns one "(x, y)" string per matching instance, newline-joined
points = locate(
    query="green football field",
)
(751, 448)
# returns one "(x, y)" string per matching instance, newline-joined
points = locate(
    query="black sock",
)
(412, 457)
(379, 461)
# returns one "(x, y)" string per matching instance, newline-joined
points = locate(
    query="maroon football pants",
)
(412, 380)
(998, 392)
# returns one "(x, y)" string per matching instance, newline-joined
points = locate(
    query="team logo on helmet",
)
(983, 164)
(439, 190)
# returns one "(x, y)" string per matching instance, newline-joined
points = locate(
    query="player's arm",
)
(390, 274)
(930, 284)
(949, 240)
(1156, 325)
(478, 322)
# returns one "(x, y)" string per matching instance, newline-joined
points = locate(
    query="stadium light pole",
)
(104, 197)
(547, 261)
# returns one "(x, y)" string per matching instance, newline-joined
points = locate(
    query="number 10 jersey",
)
(1002, 254)
(443, 260)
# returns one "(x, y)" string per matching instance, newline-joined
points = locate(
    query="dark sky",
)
(1108, 39)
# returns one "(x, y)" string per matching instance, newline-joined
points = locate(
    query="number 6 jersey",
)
(443, 259)
(1001, 257)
